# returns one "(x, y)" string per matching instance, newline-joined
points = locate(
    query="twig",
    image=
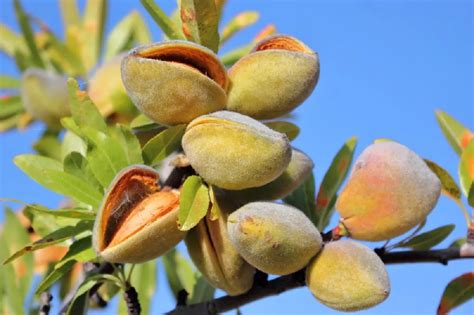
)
(45, 299)
(131, 299)
(297, 279)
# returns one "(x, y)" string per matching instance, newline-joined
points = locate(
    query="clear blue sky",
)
(385, 67)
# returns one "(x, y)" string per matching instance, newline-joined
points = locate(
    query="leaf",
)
(10, 105)
(333, 178)
(470, 195)
(79, 251)
(19, 275)
(161, 19)
(238, 22)
(466, 168)
(291, 130)
(143, 279)
(303, 198)
(106, 155)
(131, 145)
(427, 240)
(28, 34)
(456, 134)
(449, 186)
(73, 213)
(49, 146)
(77, 165)
(53, 238)
(69, 12)
(44, 224)
(93, 31)
(49, 173)
(181, 275)
(458, 243)
(142, 122)
(163, 144)
(83, 110)
(457, 292)
(200, 22)
(11, 42)
(9, 82)
(194, 203)
(121, 35)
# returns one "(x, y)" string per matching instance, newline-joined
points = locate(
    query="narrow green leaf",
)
(161, 19)
(49, 173)
(105, 154)
(466, 168)
(80, 302)
(200, 22)
(291, 130)
(76, 164)
(234, 55)
(143, 279)
(202, 290)
(11, 42)
(54, 276)
(163, 144)
(60, 54)
(10, 105)
(9, 82)
(457, 292)
(458, 243)
(93, 28)
(470, 196)
(72, 213)
(49, 146)
(28, 34)
(456, 134)
(53, 238)
(142, 34)
(79, 251)
(83, 110)
(303, 198)
(72, 143)
(15, 237)
(70, 13)
(238, 22)
(131, 145)
(427, 240)
(326, 216)
(121, 35)
(43, 223)
(448, 184)
(142, 122)
(334, 177)
(194, 203)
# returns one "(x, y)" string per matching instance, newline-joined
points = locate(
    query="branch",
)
(297, 279)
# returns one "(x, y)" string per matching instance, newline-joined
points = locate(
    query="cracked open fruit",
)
(215, 256)
(174, 82)
(274, 238)
(390, 191)
(137, 221)
(348, 276)
(45, 95)
(233, 151)
(277, 76)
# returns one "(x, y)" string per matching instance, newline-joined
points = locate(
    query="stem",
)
(131, 299)
(464, 211)
(297, 279)
(45, 299)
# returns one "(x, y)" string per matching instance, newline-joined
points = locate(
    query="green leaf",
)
(194, 203)
(70, 13)
(77, 165)
(303, 198)
(18, 276)
(458, 243)
(291, 130)
(10, 106)
(61, 55)
(43, 223)
(79, 251)
(83, 110)
(453, 130)
(470, 195)
(143, 279)
(161, 19)
(234, 55)
(238, 22)
(121, 36)
(9, 82)
(11, 42)
(49, 146)
(163, 144)
(457, 292)
(72, 213)
(72, 143)
(53, 238)
(131, 145)
(28, 34)
(181, 275)
(80, 302)
(93, 28)
(427, 240)
(49, 173)
(333, 179)
(142, 122)
(448, 185)
(200, 22)
(466, 168)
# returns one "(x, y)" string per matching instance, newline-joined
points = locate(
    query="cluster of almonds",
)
(250, 165)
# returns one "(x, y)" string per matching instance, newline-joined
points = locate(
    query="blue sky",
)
(386, 66)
